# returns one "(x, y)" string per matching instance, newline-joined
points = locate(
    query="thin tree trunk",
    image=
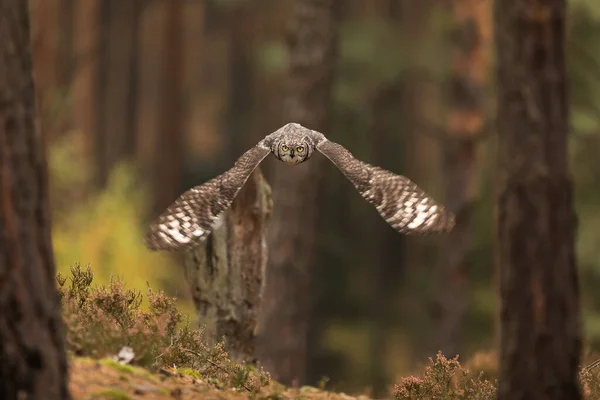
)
(467, 114)
(34, 363)
(45, 29)
(286, 307)
(121, 78)
(420, 105)
(102, 168)
(52, 37)
(385, 244)
(128, 148)
(87, 37)
(241, 87)
(227, 272)
(168, 152)
(540, 340)
(117, 44)
(65, 66)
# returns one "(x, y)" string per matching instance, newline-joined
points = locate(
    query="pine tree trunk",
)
(226, 273)
(84, 89)
(45, 39)
(169, 144)
(239, 116)
(540, 339)
(465, 97)
(118, 53)
(386, 246)
(52, 41)
(100, 142)
(311, 39)
(34, 364)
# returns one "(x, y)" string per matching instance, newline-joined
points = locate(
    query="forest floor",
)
(108, 380)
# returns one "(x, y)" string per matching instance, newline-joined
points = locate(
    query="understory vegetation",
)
(100, 320)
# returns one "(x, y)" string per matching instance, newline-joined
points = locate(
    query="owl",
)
(192, 217)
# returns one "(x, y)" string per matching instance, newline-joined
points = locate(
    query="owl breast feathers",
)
(403, 205)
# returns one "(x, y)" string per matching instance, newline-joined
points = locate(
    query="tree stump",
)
(227, 271)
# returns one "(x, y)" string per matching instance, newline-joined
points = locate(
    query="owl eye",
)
(284, 148)
(299, 149)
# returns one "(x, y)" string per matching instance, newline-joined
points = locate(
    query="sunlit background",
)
(142, 99)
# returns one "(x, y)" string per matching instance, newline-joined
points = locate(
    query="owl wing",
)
(404, 205)
(191, 218)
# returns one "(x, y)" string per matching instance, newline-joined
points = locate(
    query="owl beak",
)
(291, 153)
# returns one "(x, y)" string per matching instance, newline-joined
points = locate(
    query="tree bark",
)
(465, 96)
(52, 35)
(169, 146)
(386, 246)
(311, 40)
(226, 273)
(116, 134)
(84, 91)
(32, 350)
(45, 34)
(540, 332)
(102, 169)
(242, 47)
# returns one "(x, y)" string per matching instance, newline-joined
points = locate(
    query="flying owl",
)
(191, 218)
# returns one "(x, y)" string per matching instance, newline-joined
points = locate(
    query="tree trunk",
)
(102, 169)
(52, 35)
(226, 273)
(128, 144)
(465, 123)
(241, 102)
(540, 333)
(169, 145)
(32, 350)
(45, 34)
(66, 46)
(386, 246)
(84, 91)
(311, 40)
(117, 43)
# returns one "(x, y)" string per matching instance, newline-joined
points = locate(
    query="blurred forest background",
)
(143, 99)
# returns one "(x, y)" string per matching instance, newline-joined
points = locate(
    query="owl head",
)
(292, 145)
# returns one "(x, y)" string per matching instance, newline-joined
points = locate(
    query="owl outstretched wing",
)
(191, 218)
(404, 205)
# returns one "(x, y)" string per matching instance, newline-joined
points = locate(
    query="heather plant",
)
(100, 320)
(445, 379)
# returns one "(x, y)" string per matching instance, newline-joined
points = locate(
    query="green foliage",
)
(100, 320)
(110, 394)
(105, 228)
